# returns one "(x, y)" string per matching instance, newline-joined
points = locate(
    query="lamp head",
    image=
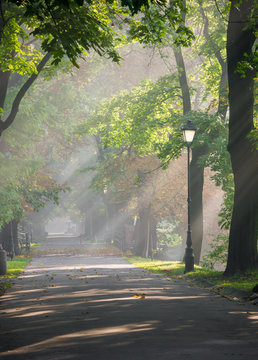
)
(188, 131)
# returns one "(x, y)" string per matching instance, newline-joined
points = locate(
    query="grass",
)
(176, 269)
(14, 268)
(17, 265)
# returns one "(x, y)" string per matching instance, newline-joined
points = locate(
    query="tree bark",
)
(7, 238)
(4, 79)
(242, 253)
(153, 234)
(197, 180)
(183, 80)
(143, 245)
(15, 237)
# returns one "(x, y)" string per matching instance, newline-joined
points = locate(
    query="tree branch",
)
(215, 48)
(15, 107)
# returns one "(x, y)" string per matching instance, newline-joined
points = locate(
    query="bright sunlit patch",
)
(35, 313)
(109, 266)
(32, 276)
(251, 315)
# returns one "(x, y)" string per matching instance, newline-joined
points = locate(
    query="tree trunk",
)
(4, 79)
(7, 239)
(242, 254)
(223, 95)
(153, 233)
(15, 237)
(196, 181)
(197, 172)
(182, 77)
(143, 246)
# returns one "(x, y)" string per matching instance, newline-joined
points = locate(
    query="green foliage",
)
(218, 253)
(141, 119)
(212, 133)
(35, 195)
(207, 126)
(158, 21)
(25, 195)
(249, 64)
(72, 32)
(166, 233)
(13, 42)
(10, 204)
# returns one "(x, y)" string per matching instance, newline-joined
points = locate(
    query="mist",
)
(101, 197)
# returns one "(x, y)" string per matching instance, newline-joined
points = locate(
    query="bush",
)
(218, 253)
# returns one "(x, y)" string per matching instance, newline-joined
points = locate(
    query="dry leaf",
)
(139, 296)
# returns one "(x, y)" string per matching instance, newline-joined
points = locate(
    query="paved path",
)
(102, 308)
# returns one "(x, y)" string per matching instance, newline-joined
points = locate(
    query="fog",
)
(112, 197)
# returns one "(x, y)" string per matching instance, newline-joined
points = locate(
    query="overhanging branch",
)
(15, 107)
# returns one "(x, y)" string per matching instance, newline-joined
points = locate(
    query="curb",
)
(228, 292)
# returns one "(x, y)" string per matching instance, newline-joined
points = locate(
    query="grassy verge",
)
(14, 268)
(176, 269)
(17, 265)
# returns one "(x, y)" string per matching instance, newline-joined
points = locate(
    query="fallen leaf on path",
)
(53, 285)
(85, 312)
(139, 296)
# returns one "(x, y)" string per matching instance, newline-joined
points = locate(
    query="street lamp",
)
(188, 134)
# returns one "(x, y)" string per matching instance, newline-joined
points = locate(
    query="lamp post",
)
(188, 134)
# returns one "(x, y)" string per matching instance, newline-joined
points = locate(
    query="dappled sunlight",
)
(148, 297)
(76, 302)
(35, 313)
(71, 338)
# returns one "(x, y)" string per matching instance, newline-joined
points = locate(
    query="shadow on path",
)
(79, 307)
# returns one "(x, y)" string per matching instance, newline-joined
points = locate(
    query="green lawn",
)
(176, 269)
(14, 268)
(17, 265)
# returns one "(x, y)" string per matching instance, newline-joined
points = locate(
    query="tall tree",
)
(242, 254)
